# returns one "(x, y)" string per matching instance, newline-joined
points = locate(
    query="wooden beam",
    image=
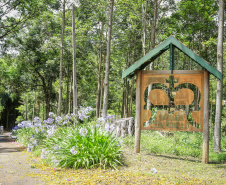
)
(205, 151)
(171, 58)
(174, 72)
(137, 119)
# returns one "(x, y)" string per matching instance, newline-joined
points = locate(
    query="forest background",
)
(31, 49)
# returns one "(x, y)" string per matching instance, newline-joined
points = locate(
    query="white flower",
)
(29, 148)
(83, 131)
(73, 151)
(153, 170)
(56, 148)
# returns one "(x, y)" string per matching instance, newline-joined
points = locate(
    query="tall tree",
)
(217, 126)
(61, 61)
(74, 63)
(155, 10)
(99, 87)
(107, 68)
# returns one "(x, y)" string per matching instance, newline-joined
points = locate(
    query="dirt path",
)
(15, 164)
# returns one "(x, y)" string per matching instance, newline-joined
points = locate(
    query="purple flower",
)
(109, 128)
(51, 114)
(51, 131)
(83, 131)
(83, 112)
(98, 125)
(49, 120)
(56, 148)
(29, 148)
(73, 151)
(58, 119)
(43, 154)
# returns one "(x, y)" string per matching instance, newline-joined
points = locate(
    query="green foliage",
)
(184, 144)
(83, 147)
(59, 144)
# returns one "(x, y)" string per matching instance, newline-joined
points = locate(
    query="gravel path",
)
(15, 164)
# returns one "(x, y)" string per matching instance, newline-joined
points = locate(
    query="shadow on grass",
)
(177, 158)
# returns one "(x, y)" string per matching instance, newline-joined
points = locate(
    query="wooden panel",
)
(174, 72)
(183, 97)
(158, 97)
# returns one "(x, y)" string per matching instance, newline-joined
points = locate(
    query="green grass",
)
(183, 144)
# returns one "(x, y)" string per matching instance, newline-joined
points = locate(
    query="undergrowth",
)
(184, 144)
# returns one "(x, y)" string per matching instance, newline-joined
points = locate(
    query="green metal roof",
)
(161, 48)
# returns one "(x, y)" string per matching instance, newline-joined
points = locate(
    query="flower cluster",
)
(83, 131)
(83, 112)
(73, 151)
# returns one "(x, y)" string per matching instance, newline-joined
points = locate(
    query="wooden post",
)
(205, 151)
(137, 119)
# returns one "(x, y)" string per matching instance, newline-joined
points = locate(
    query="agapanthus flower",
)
(25, 124)
(51, 114)
(100, 120)
(49, 120)
(98, 125)
(36, 119)
(51, 131)
(83, 131)
(65, 122)
(36, 130)
(29, 148)
(58, 119)
(35, 143)
(56, 148)
(73, 151)
(83, 112)
(43, 154)
(109, 128)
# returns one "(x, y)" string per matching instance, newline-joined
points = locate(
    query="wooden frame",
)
(199, 78)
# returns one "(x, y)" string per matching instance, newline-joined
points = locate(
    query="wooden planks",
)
(176, 121)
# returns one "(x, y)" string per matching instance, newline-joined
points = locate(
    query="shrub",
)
(83, 147)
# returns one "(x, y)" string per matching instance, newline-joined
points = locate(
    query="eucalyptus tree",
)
(218, 116)
(61, 60)
(106, 80)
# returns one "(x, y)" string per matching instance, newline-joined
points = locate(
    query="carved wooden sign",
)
(172, 118)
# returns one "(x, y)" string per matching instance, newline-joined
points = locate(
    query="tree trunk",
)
(106, 81)
(68, 87)
(217, 126)
(101, 88)
(43, 111)
(144, 20)
(70, 94)
(98, 106)
(152, 46)
(61, 61)
(33, 115)
(74, 65)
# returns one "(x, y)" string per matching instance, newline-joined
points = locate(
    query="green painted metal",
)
(171, 58)
(161, 48)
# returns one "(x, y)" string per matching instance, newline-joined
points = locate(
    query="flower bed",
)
(61, 144)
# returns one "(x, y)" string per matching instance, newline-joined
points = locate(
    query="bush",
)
(82, 147)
